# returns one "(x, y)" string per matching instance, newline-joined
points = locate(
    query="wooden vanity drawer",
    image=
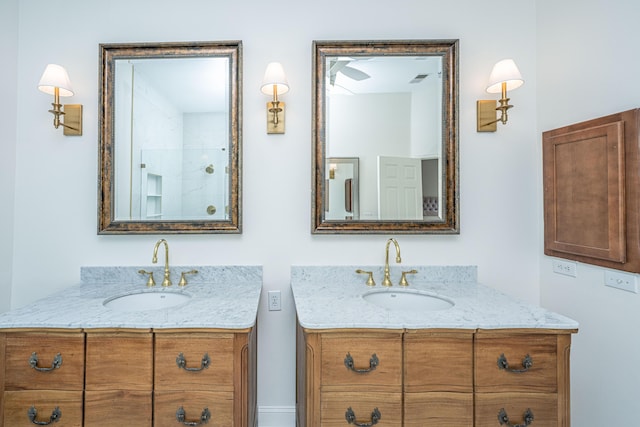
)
(18, 403)
(119, 361)
(376, 357)
(219, 405)
(438, 409)
(44, 361)
(438, 361)
(542, 406)
(117, 408)
(541, 376)
(333, 408)
(207, 361)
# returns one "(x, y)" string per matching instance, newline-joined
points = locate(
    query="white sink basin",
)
(407, 300)
(142, 301)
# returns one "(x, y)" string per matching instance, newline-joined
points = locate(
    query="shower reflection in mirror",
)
(177, 161)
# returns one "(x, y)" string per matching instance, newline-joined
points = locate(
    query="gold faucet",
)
(386, 281)
(167, 280)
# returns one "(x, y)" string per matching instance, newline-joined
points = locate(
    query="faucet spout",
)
(167, 280)
(386, 281)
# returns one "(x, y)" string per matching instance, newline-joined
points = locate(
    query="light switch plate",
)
(625, 281)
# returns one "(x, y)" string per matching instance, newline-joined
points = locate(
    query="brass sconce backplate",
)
(486, 116)
(73, 119)
(273, 125)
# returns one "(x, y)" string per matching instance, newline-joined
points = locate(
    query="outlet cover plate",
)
(568, 268)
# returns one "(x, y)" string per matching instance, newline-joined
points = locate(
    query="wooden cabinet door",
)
(438, 361)
(38, 361)
(494, 351)
(543, 408)
(59, 408)
(335, 405)
(438, 409)
(118, 408)
(194, 361)
(218, 406)
(119, 361)
(376, 361)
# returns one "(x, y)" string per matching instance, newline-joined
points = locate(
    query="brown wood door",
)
(118, 408)
(438, 409)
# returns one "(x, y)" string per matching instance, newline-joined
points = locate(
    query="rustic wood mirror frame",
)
(448, 50)
(109, 53)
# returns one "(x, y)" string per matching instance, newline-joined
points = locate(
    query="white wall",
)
(56, 195)
(8, 117)
(588, 66)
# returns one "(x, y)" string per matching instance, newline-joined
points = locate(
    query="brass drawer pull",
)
(204, 417)
(54, 418)
(351, 418)
(503, 418)
(33, 362)
(527, 363)
(182, 363)
(373, 362)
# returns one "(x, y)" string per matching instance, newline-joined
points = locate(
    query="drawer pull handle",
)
(54, 418)
(373, 362)
(527, 363)
(351, 418)
(182, 363)
(33, 362)
(503, 418)
(204, 417)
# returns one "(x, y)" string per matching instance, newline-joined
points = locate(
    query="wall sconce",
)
(274, 83)
(55, 81)
(504, 76)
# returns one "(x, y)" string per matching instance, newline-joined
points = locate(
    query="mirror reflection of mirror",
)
(342, 199)
(392, 106)
(170, 138)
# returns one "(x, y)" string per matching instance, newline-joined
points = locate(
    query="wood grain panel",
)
(17, 404)
(118, 408)
(119, 361)
(219, 404)
(218, 375)
(21, 376)
(387, 376)
(439, 409)
(541, 377)
(334, 405)
(438, 362)
(543, 406)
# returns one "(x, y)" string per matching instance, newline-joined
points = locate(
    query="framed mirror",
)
(391, 108)
(170, 138)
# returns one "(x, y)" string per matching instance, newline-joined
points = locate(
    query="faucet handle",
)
(403, 278)
(183, 280)
(150, 282)
(370, 281)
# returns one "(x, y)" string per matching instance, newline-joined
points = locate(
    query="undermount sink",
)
(141, 301)
(407, 300)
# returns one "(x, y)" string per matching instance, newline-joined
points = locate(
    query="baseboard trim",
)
(276, 416)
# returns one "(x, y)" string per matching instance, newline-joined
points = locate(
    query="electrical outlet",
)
(568, 268)
(625, 281)
(274, 301)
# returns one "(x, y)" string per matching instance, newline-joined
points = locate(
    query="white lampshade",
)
(55, 76)
(504, 71)
(274, 75)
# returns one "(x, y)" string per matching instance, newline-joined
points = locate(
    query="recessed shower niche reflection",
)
(178, 134)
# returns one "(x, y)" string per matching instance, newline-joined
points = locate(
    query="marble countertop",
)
(328, 297)
(222, 297)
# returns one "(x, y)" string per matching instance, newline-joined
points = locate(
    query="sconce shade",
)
(55, 76)
(505, 71)
(274, 75)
